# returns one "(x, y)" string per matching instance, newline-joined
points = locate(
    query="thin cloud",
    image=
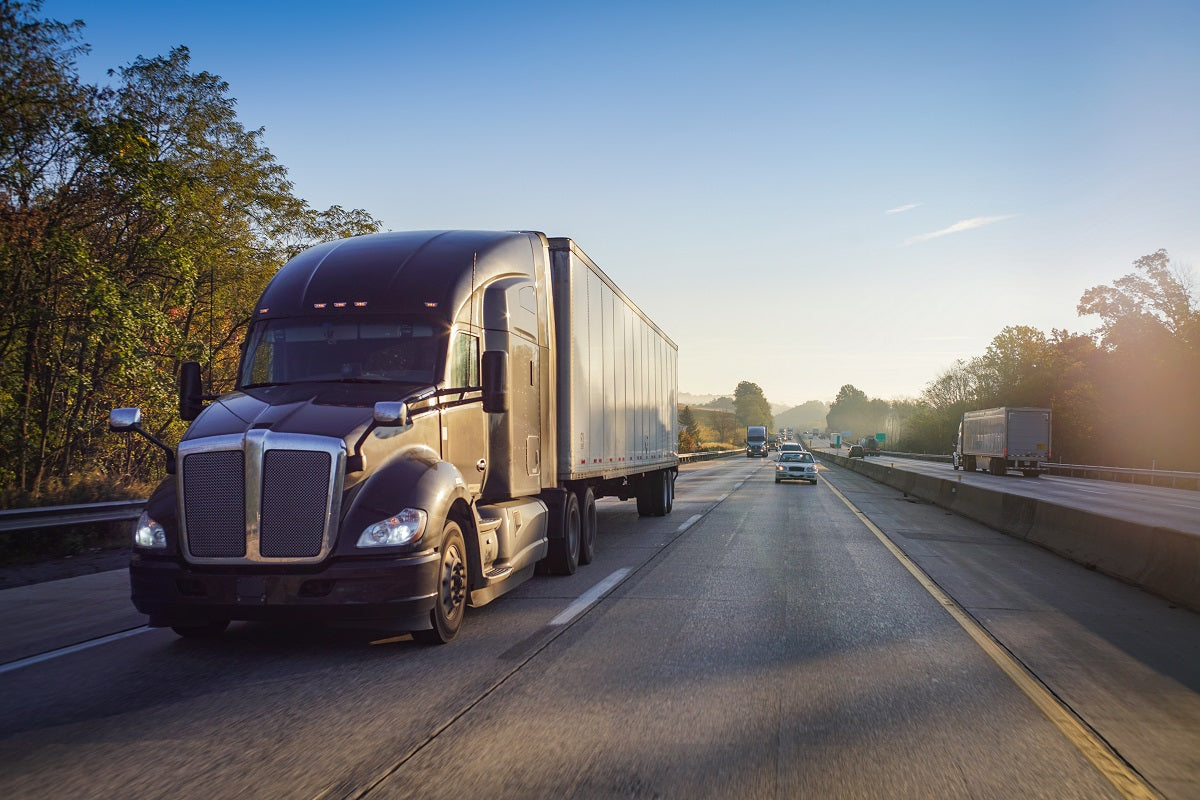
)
(902, 209)
(958, 227)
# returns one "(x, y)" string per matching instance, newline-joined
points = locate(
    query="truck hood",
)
(338, 410)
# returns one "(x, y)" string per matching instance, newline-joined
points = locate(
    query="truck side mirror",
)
(495, 381)
(191, 400)
(121, 420)
(129, 420)
(391, 414)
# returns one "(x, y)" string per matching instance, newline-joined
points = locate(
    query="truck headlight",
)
(149, 534)
(403, 528)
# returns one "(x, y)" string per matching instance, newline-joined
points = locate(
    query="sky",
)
(802, 195)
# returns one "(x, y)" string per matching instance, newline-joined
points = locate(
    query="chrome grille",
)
(215, 504)
(260, 497)
(294, 497)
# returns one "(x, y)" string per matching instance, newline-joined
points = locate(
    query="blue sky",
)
(802, 195)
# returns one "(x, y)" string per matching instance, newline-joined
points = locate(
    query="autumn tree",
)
(689, 431)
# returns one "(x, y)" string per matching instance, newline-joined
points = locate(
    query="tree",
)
(1145, 380)
(750, 406)
(689, 431)
(145, 220)
(1154, 302)
(1019, 368)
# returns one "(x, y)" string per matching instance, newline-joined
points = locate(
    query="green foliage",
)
(853, 411)
(138, 225)
(750, 406)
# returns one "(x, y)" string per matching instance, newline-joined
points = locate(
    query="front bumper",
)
(796, 475)
(399, 590)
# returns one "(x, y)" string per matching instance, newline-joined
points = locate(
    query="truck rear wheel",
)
(563, 558)
(451, 603)
(656, 494)
(587, 524)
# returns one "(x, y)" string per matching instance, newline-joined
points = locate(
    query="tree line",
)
(1123, 395)
(723, 421)
(139, 222)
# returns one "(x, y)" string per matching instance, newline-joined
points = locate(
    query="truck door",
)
(464, 425)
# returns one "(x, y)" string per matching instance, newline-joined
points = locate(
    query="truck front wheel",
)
(447, 613)
(563, 558)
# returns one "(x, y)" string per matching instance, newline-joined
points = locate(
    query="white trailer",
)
(616, 386)
(999, 439)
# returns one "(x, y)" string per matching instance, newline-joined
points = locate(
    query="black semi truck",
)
(420, 420)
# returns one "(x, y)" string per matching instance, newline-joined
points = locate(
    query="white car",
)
(796, 466)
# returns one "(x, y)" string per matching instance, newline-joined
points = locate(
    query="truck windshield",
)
(281, 351)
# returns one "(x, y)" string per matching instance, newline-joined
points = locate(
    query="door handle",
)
(481, 464)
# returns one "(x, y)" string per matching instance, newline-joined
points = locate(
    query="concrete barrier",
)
(1163, 561)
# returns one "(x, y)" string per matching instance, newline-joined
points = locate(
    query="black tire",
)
(645, 496)
(587, 524)
(656, 493)
(446, 616)
(563, 558)
(208, 630)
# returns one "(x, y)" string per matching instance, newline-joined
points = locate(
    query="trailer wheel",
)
(208, 630)
(656, 494)
(587, 524)
(447, 614)
(563, 558)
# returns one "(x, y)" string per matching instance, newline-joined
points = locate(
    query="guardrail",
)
(708, 455)
(1149, 477)
(24, 519)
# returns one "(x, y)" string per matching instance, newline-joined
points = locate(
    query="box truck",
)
(999, 439)
(756, 441)
(420, 420)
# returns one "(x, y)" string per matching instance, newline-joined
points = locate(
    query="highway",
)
(1178, 509)
(762, 641)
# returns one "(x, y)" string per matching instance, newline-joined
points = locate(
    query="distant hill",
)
(803, 417)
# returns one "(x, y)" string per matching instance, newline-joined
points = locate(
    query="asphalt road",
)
(1177, 509)
(761, 641)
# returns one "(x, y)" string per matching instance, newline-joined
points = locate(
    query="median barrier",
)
(1160, 560)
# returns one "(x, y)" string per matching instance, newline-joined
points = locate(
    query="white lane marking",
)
(589, 598)
(1091, 491)
(66, 651)
(692, 520)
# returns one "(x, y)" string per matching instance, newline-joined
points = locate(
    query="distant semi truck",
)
(999, 439)
(420, 420)
(756, 441)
